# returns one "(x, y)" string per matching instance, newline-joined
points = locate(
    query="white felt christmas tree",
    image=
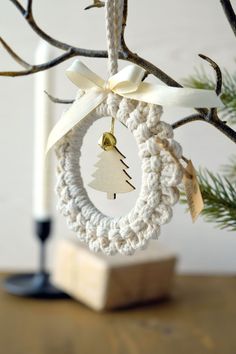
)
(110, 176)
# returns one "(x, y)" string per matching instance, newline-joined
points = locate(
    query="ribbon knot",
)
(126, 83)
(107, 87)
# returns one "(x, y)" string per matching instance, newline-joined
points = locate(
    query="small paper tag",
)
(192, 190)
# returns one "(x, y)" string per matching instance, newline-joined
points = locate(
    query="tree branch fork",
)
(69, 51)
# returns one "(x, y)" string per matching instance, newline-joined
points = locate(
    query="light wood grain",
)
(103, 282)
(200, 318)
(111, 176)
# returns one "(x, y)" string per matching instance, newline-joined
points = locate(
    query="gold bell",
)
(107, 141)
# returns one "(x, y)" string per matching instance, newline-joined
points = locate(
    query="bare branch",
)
(213, 114)
(213, 120)
(223, 128)
(217, 71)
(19, 6)
(28, 15)
(149, 67)
(230, 14)
(14, 55)
(124, 21)
(209, 116)
(145, 75)
(134, 58)
(212, 117)
(217, 123)
(124, 54)
(96, 3)
(37, 68)
(188, 119)
(58, 100)
(29, 8)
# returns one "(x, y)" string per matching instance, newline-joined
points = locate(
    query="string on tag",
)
(190, 181)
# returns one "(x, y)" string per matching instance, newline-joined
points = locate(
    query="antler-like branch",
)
(14, 55)
(212, 117)
(124, 54)
(96, 3)
(28, 15)
(204, 115)
(212, 114)
(32, 69)
(58, 100)
(229, 13)
(29, 7)
(188, 119)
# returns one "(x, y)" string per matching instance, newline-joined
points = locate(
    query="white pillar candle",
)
(42, 126)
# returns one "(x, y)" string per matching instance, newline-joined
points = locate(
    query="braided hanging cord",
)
(114, 11)
(113, 16)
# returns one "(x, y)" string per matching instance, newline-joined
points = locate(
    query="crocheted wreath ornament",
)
(125, 97)
(161, 175)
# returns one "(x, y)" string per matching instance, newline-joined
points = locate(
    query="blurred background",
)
(168, 33)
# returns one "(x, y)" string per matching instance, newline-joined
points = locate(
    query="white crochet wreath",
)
(161, 175)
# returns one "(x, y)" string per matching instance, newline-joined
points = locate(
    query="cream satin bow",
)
(126, 83)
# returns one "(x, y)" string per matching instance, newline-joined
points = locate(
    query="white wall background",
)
(168, 33)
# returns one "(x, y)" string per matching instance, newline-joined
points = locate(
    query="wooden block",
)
(107, 282)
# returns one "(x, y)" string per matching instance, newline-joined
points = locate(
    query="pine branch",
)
(200, 79)
(219, 196)
(229, 169)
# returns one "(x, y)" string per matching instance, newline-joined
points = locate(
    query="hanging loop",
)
(114, 12)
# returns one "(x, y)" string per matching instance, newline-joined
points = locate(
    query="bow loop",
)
(127, 80)
(83, 77)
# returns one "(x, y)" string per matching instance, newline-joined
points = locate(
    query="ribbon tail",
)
(174, 96)
(75, 114)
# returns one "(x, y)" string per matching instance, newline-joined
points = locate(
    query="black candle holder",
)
(36, 284)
